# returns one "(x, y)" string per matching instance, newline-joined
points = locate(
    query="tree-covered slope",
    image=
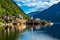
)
(10, 8)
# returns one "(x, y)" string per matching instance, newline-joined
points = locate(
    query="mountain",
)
(10, 8)
(33, 13)
(52, 13)
(36, 12)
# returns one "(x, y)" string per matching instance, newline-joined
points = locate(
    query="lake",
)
(46, 33)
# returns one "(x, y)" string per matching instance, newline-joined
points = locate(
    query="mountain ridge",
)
(52, 13)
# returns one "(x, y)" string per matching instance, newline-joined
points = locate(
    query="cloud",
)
(30, 4)
(37, 4)
(19, 4)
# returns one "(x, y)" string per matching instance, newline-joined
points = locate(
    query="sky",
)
(35, 5)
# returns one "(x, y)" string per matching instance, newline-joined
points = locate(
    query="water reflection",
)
(29, 35)
(45, 33)
(8, 34)
(52, 31)
(39, 32)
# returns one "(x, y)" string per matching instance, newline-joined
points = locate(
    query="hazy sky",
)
(34, 5)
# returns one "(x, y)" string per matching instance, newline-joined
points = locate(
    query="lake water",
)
(46, 33)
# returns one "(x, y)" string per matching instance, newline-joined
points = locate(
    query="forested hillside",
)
(10, 8)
